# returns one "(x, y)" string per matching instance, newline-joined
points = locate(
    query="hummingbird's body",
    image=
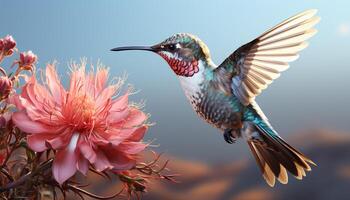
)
(224, 95)
(210, 102)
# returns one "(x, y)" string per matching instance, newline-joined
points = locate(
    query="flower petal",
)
(138, 134)
(119, 109)
(54, 84)
(101, 79)
(83, 165)
(32, 112)
(120, 131)
(117, 135)
(131, 147)
(15, 101)
(37, 94)
(135, 118)
(117, 116)
(60, 141)
(64, 165)
(77, 78)
(87, 151)
(121, 161)
(37, 142)
(120, 103)
(102, 161)
(24, 123)
(105, 95)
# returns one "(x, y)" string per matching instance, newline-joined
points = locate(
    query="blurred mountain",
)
(241, 180)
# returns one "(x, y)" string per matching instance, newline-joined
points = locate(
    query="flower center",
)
(83, 107)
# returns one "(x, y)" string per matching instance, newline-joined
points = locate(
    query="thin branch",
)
(78, 190)
(6, 173)
(47, 164)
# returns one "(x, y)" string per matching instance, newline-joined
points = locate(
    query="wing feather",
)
(290, 22)
(282, 50)
(256, 64)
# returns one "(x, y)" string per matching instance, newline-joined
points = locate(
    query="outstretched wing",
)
(253, 66)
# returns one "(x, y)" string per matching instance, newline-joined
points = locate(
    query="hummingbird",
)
(224, 95)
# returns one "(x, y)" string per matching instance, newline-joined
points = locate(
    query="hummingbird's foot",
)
(229, 137)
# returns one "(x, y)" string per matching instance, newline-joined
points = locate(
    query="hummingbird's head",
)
(182, 51)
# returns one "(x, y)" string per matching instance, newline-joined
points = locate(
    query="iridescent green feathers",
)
(188, 41)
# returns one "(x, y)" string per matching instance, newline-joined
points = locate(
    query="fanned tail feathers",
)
(274, 156)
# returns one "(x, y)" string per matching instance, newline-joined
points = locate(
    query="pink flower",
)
(27, 60)
(7, 45)
(5, 86)
(85, 124)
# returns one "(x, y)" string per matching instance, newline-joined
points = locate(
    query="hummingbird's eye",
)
(172, 47)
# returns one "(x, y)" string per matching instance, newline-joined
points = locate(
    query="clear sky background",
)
(313, 94)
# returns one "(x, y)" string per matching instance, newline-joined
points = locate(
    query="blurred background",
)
(307, 105)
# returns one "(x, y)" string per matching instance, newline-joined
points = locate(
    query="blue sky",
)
(312, 94)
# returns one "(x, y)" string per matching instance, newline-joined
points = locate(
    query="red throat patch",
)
(180, 67)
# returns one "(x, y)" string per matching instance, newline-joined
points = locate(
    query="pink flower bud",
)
(5, 86)
(27, 60)
(7, 45)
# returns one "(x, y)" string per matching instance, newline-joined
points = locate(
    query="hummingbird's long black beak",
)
(128, 48)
